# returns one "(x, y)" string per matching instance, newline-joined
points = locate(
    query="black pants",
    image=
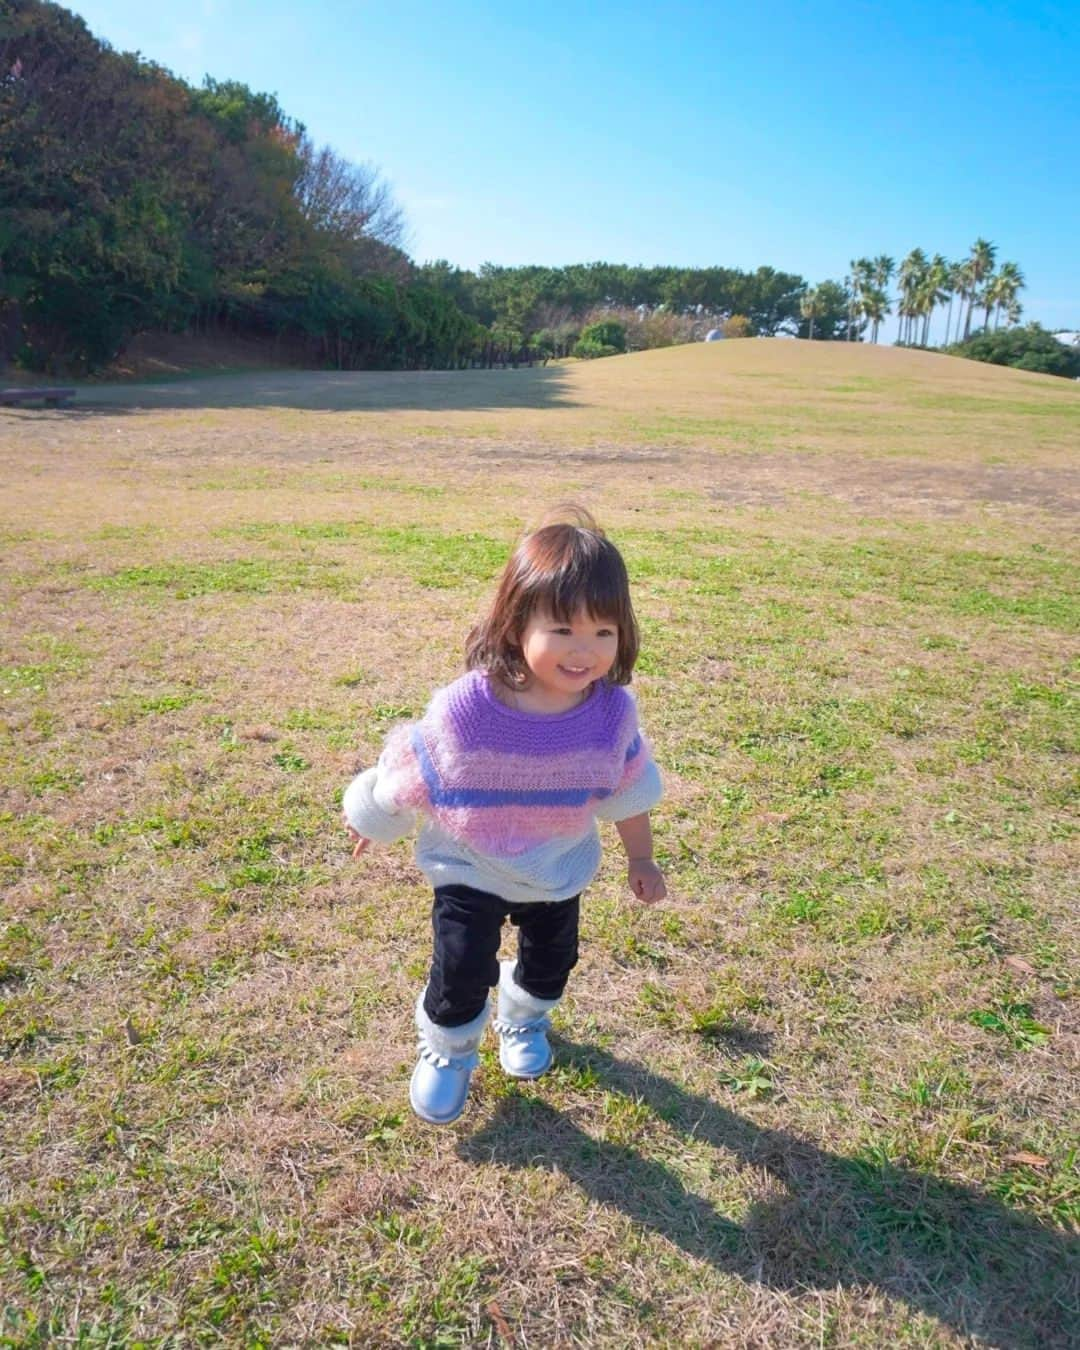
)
(468, 923)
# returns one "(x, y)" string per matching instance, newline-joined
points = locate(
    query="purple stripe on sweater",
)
(455, 797)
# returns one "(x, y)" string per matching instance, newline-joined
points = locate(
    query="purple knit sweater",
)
(514, 794)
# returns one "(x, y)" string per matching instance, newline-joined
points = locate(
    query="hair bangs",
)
(595, 583)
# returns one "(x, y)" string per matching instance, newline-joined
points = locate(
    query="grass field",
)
(825, 1096)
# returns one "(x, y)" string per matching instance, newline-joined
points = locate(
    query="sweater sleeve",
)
(382, 802)
(370, 813)
(642, 795)
(640, 787)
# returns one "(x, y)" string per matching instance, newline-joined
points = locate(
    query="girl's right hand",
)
(361, 844)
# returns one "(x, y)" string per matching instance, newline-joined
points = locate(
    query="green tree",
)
(1027, 348)
(824, 310)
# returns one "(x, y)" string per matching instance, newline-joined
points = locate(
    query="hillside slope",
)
(752, 397)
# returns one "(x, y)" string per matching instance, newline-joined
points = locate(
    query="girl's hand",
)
(646, 880)
(361, 844)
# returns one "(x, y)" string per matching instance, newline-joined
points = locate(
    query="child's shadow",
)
(984, 1269)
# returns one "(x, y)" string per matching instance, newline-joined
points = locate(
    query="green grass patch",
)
(250, 576)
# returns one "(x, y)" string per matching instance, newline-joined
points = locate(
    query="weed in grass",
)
(754, 1077)
(55, 778)
(625, 1119)
(434, 559)
(386, 1129)
(574, 1076)
(660, 1003)
(935, 1086)
(164, 703)
(354, 680)
(61, 659)
(800, 907)
(400, 1232)
(924, 1223)
(1014, 1021)
(290, 760)
(1053, 1191)
(383, 714)
(446, 1315)
(239, 1286)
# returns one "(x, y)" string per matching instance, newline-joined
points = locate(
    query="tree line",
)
(551, 305)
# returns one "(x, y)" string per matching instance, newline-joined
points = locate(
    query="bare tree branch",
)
(349, 201)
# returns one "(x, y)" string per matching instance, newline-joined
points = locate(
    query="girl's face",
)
(565, 658)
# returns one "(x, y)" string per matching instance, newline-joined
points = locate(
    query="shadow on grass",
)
(950, 1251)
(328, 391)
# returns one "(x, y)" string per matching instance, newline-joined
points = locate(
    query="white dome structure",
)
(714, 335)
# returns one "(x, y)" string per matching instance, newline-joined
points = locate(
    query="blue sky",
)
(787, 133)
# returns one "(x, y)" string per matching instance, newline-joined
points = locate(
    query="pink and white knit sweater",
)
(509, 799)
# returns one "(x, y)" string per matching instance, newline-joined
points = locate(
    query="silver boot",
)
(522, 1023)
(440, 1081)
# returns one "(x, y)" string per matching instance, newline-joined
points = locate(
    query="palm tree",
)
(882, 269)
(955, 285)
(875, 305)
(908, 279)
(849, 292)
(932, 292)
(987, 298)
(979, 265)
(1007, 283)
(810, 307)
(861, 278)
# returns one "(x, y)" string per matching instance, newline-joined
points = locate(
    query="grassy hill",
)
(822, 1097)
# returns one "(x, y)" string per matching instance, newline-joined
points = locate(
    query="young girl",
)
(510, 767)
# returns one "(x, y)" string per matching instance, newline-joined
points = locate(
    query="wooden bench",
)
(52, 398)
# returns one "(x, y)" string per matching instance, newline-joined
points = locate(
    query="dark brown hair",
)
(568, 563)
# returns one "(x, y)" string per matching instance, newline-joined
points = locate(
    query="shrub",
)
(588, 349)
(1027, 348)
(607, 333)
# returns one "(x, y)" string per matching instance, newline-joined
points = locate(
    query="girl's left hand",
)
(646, 880)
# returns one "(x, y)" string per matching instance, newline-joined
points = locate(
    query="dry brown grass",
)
(773, 1121)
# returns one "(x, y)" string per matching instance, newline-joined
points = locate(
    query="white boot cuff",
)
(450, 1042)
(517, 1005)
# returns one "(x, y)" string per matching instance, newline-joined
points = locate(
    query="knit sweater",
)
(509, 799)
